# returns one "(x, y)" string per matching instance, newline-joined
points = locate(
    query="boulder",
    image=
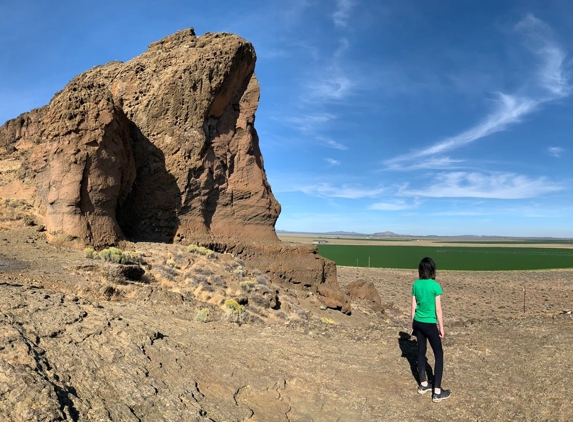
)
(334, 299)
(365, 292)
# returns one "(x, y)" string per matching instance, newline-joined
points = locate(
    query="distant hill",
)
(389, 234)
(396, 235)
(335, 233)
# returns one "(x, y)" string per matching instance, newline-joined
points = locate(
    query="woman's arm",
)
(414, 304)
(439, 316)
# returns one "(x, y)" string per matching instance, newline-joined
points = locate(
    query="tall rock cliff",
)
(161, 147)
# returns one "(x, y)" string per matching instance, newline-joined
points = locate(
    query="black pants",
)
(423, 331)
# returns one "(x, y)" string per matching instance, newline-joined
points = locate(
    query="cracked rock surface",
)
(70, 355)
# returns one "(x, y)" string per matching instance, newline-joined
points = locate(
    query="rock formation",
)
(160, 148)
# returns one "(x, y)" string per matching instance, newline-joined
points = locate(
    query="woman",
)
(426, 313)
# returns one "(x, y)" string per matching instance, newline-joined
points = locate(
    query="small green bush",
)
(234, 313)
(328, 321)
(132, 258)
(202, 315)
(114, 255)
(239, 272)
(105, 254)
(202, 251)
(233, 305)
(90, 253)
(247, 285)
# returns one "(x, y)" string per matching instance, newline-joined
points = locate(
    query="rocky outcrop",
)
(298, 266)
(161, 147)
(365, 292)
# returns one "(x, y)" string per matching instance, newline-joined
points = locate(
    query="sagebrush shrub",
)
(261, 279)
(247, 285)
(202, 315)
(202, 251)
(234, 312)
(260, 300)
(90, 253)
(116, 255)
(217, 281)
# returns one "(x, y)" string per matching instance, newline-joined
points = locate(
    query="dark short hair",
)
(427, 269)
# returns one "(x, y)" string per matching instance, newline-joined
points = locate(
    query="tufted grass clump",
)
(202, 315)
(327, 321)
(166, 272)
(201, 250)
(234, 312)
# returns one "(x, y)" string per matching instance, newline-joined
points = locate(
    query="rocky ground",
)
(77, 343)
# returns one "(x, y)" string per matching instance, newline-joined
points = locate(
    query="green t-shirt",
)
(426, 291)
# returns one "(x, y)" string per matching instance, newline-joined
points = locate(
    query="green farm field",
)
(464, 258)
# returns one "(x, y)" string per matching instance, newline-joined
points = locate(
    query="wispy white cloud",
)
(307, 122)
(341, 14)
(461, 213)
(394, 205)
(342, 48)
(555, 151)
(347, 191)
(327, 80)
(331, 85)
(332, 161)
(510, 108)
(510, 111)
(331, 143)
(480, 185)
(551, 72)
(432, 163)
(291, 12)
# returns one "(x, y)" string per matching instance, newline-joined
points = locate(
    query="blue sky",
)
(418, 117)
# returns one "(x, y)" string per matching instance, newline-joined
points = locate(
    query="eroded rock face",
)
(161, 147)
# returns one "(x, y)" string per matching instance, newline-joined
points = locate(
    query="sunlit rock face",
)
(161, 147)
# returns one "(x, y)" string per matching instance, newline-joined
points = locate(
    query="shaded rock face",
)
(161, 147)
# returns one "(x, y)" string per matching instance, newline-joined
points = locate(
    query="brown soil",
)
(69, 352)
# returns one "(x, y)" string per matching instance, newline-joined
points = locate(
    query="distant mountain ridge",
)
(396, 235)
